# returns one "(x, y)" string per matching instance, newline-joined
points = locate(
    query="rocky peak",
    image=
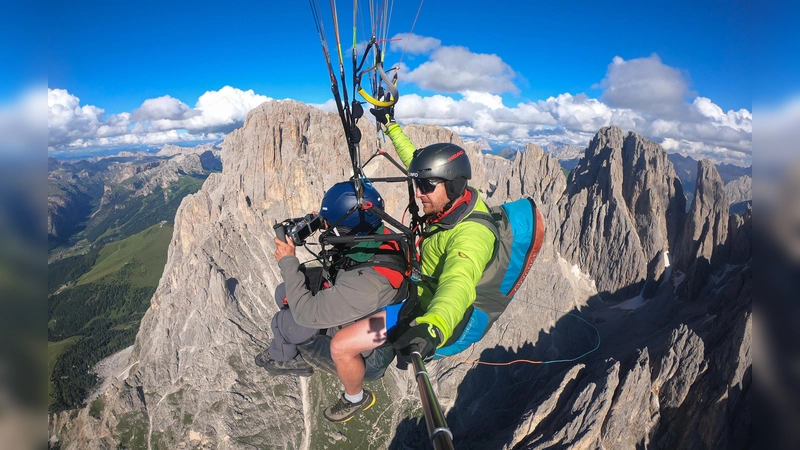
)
(739, 190)
(533, 173)
(740, 236)
(172, 149)
(623, 202)
(655, 201)
(705, 232)
(563, 152)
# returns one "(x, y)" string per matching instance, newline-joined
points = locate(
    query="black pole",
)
(440, 434)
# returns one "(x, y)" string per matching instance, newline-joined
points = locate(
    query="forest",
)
(95, 318)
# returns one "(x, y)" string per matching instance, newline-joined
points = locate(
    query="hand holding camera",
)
(297, 231)
(283, 248)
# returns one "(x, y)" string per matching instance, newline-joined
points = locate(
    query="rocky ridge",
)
(77, 189)
(563, 152)
(667, 373)
(739, 190)
(627, 193)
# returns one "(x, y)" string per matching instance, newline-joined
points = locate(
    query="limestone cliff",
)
(666, 373)
(623, 203)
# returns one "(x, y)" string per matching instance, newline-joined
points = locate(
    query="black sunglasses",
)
(426, 185)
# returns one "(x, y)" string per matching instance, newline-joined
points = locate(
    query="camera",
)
(298, 229)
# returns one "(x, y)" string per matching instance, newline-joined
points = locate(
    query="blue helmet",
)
(340, 199)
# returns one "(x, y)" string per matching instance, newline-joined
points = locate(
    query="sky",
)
(122, 74)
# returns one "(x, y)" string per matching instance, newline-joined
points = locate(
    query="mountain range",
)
(638, 308)
(86, 197)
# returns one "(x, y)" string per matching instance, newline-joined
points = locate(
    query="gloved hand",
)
(383, 115)
(422, 337)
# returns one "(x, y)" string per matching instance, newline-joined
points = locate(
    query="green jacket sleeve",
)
(469, 247)
(405, 149)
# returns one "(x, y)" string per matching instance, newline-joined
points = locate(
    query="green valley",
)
(109, 228)
(100, 313)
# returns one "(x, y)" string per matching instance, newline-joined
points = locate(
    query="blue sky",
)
(679, 72)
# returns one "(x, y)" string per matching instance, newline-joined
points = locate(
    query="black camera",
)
(298, 229)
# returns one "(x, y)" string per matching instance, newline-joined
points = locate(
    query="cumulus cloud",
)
(413, 44)
(640, 95)
(164, 107)
(67, 120)
(704, 130)
(158, 120)
(219, 111)
(646, 85)
(456, 69)
(328, 107)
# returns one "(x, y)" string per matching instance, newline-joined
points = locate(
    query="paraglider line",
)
(526, 361)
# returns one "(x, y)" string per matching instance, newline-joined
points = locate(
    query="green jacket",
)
(454, 257)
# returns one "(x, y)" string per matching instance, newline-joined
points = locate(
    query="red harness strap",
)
(394, 277)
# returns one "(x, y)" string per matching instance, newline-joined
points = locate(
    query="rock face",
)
(623, 202)
(564, 152)
(668, 374)
(740, 236)
(172, 150)
(532, 173)
(705, 233)
(740, 193)
(739, 190)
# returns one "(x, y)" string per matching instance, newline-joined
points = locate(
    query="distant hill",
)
(109, 226)
(686, 168)
(112, 197)
(565, 152)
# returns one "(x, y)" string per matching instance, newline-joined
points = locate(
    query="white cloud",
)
(456, 69)
(328, 107)
(158, 120)
(699, 150)
(67, 120)
(697, 126)
(215, 112)
(643, 95)
(413, 44)
(164, 107)
(225, 107)
(574, 119)
(741, 120)
(646, 85)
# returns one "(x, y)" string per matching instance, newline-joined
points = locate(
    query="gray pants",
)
(287, 333)
(314, 344)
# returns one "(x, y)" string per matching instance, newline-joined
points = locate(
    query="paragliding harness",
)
(349, 113)
(389, 261)
(518, 229)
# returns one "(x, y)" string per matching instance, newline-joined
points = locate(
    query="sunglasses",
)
(426, 185)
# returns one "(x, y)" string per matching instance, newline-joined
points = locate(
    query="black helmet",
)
(446, 161)
(340, 199)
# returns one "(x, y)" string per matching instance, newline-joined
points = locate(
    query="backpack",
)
(519, 234)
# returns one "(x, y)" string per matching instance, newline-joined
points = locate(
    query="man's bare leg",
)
(349, 342)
